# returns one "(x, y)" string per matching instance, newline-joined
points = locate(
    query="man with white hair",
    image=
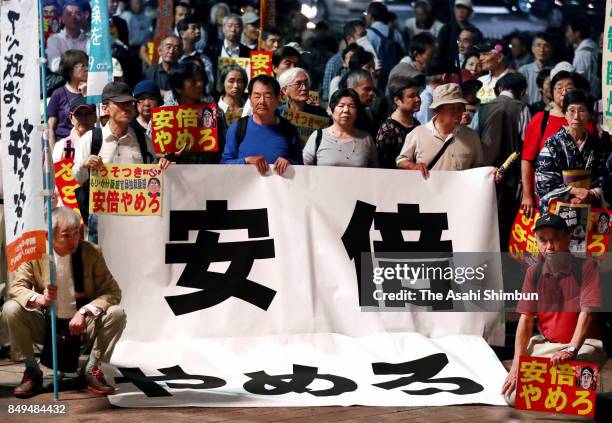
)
(295, 85)
(85, 293)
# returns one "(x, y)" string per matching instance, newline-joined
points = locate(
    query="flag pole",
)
(49, 188)
(263, 16)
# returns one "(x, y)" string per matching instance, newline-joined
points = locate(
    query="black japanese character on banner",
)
(356, 240)
(12, 92)
(10, 121)
(19, 148)
(13, 66)
(151, 389)
(19, 201)
(217, 287)
(422, 371)
(13, 17)
(297, 382)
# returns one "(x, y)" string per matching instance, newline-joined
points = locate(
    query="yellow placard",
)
(305, 123)
(231, 117)
(126, 189)
(243, 62)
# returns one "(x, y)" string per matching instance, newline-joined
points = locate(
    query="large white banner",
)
(250, 282)
(21, 146)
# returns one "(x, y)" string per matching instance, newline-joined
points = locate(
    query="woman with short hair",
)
(73, 67)
(341, 144)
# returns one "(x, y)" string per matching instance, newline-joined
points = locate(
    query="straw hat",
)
(447, 94)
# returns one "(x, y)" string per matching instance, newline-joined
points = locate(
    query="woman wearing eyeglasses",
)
(540, 128)
(571, 166)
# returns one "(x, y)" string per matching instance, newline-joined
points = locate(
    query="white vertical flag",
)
(21, 145)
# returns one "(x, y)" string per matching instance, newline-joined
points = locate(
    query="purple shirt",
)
(59, 107)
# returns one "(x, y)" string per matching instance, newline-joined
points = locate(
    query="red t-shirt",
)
(560, 300)
(534, 140)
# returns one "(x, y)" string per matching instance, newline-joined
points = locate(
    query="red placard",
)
(522, 245)
(173, 127)
(600, 227)
(567, 388)
(261, 63)
(66, 184)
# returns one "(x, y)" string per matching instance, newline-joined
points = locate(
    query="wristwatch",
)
(83, 311)
(572, 350)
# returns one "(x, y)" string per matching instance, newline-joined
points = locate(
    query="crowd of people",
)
(424, 96)
(395, 95)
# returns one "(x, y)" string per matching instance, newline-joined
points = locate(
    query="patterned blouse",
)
(561, 153)
(390, 140)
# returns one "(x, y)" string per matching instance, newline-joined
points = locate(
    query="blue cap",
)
(147, 86)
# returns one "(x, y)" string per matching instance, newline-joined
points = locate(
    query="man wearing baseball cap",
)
(115, 142)
(442, 143)
(250, 32)
(568, 290)
(494, 59)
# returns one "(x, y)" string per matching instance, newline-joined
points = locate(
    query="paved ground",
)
(83, 406)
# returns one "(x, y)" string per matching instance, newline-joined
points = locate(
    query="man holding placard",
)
(568, 291)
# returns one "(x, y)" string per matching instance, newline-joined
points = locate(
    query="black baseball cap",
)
(79, 102)
(493, 45)
(553, 221)
(119, 92)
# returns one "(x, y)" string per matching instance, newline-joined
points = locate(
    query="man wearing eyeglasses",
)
(71, 37)
(295, 85)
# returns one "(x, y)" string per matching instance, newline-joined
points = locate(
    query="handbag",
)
(68, 347)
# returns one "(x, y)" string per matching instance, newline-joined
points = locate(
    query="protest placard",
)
(567, 388)
(261, 63)
(66, 184)
(173, 127)
(126, 189)
(305, 123)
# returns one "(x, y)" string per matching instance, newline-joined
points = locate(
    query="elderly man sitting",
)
(568, 290)
(442, 143)
(97, 297)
